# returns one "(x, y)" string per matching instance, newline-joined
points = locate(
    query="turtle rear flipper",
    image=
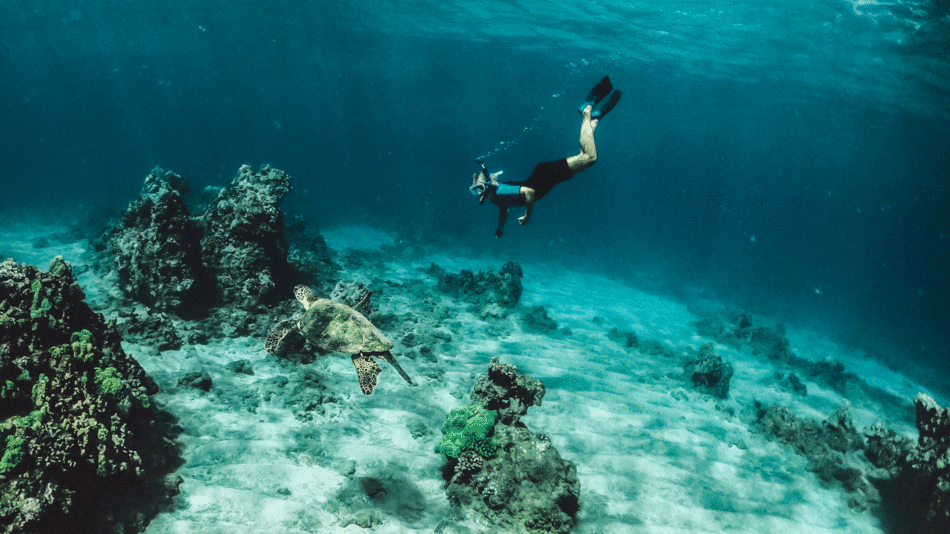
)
(388, 358)
(277, 335)
(367, 371)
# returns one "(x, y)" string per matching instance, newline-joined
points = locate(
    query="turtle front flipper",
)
(388, 357)
(277, 335)
(367, 371)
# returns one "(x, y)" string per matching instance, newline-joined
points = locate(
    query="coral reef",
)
(828, 446)
(525, 486)
(157, 248)
(484, 288)
(709, 373)
(537, 320)
(85, 449)
(735, 328)
(507, 392)
(929, 465)
(244, 246)
(468, 429)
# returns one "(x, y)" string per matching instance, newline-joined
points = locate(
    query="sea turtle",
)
(335, 327)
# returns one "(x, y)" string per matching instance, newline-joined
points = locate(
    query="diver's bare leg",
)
(588, 154)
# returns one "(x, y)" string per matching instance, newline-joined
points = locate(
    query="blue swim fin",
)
(600, 111)
(597, 93)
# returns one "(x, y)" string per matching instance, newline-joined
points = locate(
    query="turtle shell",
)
(336, 327)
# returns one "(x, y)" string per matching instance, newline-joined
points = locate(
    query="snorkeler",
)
(546, 175)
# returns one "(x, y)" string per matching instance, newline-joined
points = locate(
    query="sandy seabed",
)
(652, 455)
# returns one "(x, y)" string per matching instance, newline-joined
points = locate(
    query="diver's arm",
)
(528, 205)
(502, 217)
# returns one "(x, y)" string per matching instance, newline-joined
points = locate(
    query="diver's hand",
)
(523, 220)
(499, 232)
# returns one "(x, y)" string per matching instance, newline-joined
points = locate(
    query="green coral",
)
(944, 460)
(108, 381)
(41, 303)
(39, 390)
(12, 455)
(82, 345)
(468, 428)
(14, 451)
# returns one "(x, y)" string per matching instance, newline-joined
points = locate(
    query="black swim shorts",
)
(547, 175)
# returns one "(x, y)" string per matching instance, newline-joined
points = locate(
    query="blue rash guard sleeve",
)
(508, 190)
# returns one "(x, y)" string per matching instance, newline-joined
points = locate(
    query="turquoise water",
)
(790, 159)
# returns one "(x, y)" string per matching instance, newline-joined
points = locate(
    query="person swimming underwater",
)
(546, 175)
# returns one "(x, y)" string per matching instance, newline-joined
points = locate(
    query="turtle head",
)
(305, 295)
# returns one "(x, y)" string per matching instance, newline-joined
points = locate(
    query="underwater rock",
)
(709, 373)
(516, 480)
(199, 380)
(85, 449)
(244, 246)
(537, 320)
(886, 449)
(790, 383)
(736, 328)
(828, 447)
(507, 392)
(484, 288)
(242, 367)
(929, 466)
(157, 249)
(303, 393)
(652, 347)
(626, 338)
(155, 329)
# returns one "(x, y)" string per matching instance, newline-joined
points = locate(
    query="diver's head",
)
(483, 183)
(479, 184)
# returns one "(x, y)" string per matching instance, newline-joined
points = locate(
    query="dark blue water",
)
(796, 163)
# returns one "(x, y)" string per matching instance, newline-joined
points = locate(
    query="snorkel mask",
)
(478, 189)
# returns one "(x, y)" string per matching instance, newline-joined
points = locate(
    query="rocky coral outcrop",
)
(506, 391)
(234, 256)
(157, 248)
(244, 245)
(537, 320)
(519, 483)
(737, 329)
(709, 373)
(85, 449)
(482, 289)
(929, 465)
(828, 446)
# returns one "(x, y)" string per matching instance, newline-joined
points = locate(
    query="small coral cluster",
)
(829, 447)
(484, 288)
(500, 470)
(709, 373)
(84, 447)
(468, 429)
